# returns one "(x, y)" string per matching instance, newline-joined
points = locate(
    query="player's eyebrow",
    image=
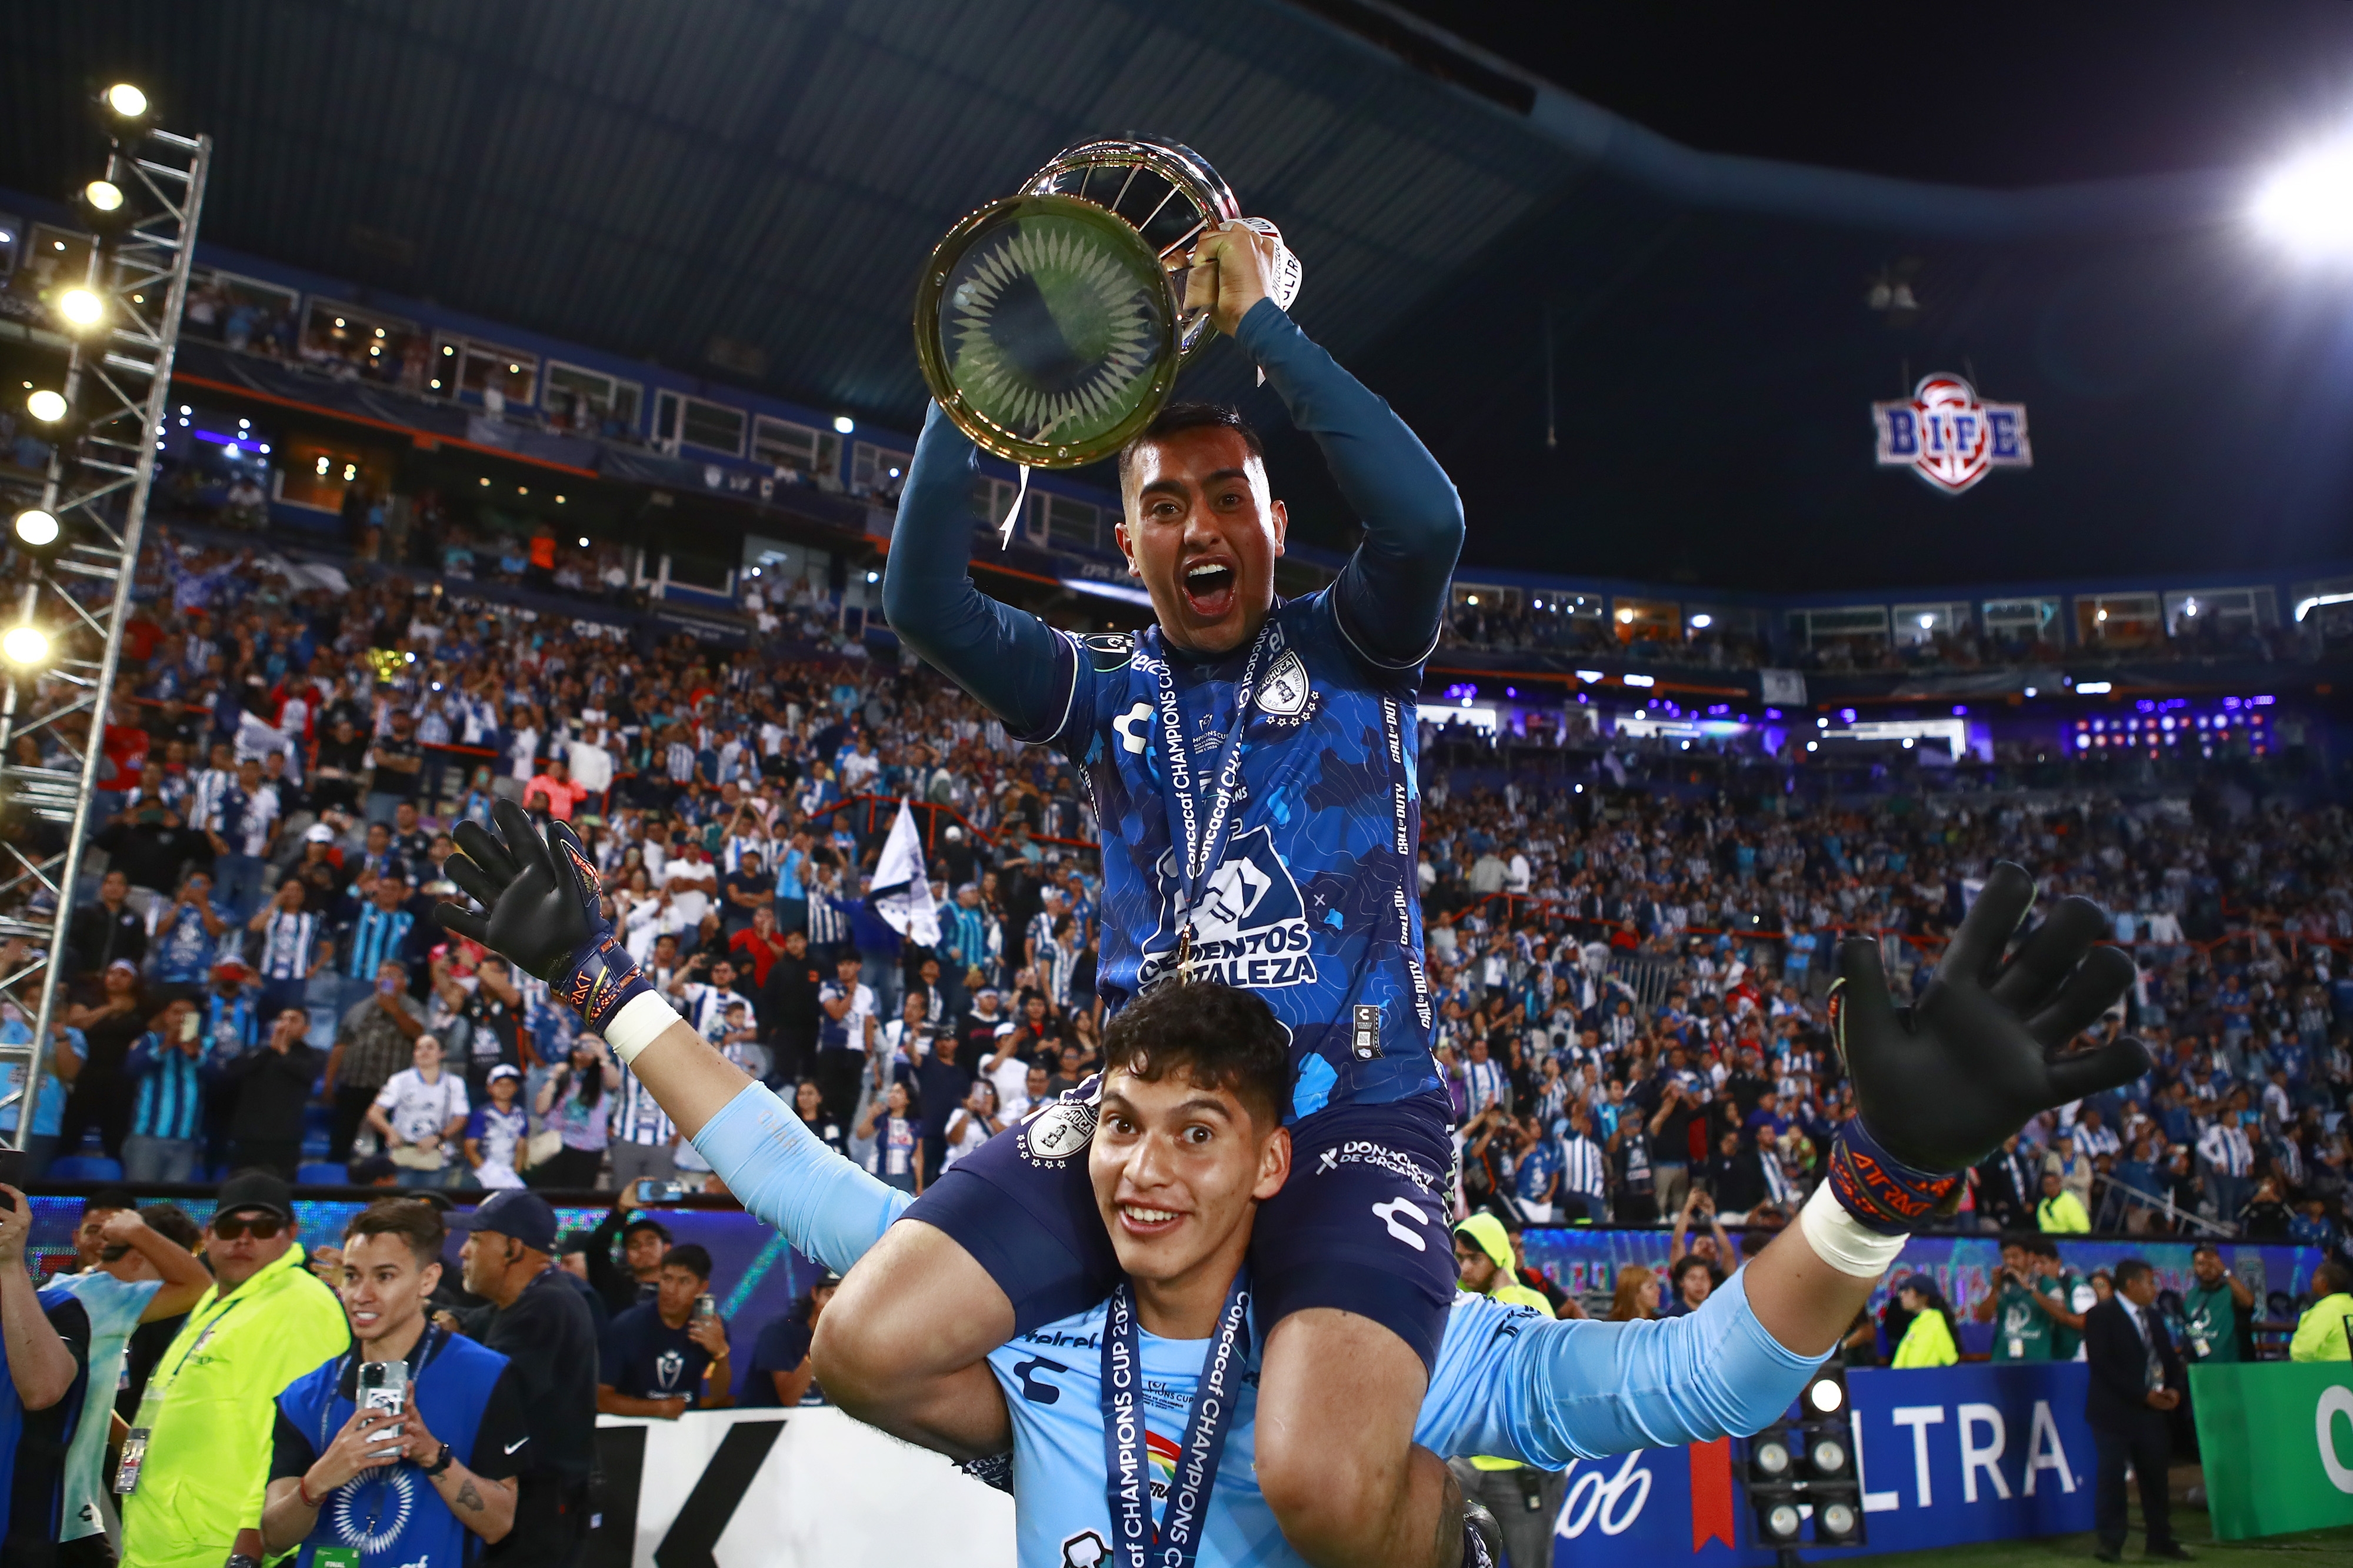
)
(1178, 487)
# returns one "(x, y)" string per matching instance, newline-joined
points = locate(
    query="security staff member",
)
(1523, 1500)
(537, 1319)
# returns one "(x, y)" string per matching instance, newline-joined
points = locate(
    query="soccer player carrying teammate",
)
(1939, 1084)
(1252, 763)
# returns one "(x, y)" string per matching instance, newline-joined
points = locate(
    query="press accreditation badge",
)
(135, 1455)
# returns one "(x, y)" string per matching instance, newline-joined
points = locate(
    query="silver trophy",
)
(1051, 325)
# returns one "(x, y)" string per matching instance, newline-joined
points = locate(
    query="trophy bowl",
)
(1051, 325)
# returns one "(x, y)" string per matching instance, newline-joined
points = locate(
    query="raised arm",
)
(1391, 596)
(1005, 658)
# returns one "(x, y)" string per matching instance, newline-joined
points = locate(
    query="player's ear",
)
(1282, 516)
(1273, 1165)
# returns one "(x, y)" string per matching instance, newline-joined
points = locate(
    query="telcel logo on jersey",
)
(1947, 435)
(1251, 930)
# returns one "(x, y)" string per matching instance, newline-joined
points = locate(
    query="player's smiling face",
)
(1176, 1169)
(1203, 532)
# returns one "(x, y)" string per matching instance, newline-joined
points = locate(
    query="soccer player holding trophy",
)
(1252, 766)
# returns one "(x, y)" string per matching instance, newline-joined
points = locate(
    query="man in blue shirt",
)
(41, 1397)
(657, 1355)
(349, 1480)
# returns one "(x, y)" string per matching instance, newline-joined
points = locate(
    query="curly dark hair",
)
(1219, 1037)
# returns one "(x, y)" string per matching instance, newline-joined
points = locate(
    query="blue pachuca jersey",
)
(1314, 904)
(1508, 1382)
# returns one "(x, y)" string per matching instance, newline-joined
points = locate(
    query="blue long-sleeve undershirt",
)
(1579, 1389)
(1390, 597)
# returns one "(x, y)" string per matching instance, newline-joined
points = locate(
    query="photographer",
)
(343, 1467)
(656, 1355)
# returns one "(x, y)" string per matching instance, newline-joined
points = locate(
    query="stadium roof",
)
(748, 186)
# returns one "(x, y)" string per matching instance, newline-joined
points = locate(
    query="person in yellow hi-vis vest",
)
(1525, 1502)
(196, 1462)
(1928, 1338)
(2325, 1333)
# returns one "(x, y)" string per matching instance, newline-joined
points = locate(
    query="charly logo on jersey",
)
(1251, 930)
(1285, 692)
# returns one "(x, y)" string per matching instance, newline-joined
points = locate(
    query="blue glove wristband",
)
(1882, 1192)
(600, 980)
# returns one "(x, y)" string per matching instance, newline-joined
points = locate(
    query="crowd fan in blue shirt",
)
(668, 1356)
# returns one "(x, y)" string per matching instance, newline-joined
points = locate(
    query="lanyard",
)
(1128, 1486)
(1205, 830)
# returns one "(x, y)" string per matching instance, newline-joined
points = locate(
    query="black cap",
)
(522, 1215)
(641, 1221)
(256, 1190)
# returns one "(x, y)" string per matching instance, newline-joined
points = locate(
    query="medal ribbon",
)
(1203, 837)
(1128, 1489)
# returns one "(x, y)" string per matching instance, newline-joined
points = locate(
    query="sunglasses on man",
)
(263, 1226)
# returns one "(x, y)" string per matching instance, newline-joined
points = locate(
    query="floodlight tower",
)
(64, 638)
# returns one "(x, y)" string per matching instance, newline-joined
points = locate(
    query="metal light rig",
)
(116, 396)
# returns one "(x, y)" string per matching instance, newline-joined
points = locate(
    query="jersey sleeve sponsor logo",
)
(1251, 931)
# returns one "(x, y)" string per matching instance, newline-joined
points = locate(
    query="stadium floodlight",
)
(1701, 621)
(2307, 204)
(35, 526)
(103, 208)
(124, 102)
(49, 407)
(81, 309)
(25, 645)
(844, 424)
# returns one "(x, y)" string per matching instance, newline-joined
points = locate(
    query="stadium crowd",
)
(1630, 985)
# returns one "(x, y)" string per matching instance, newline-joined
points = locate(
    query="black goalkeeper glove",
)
(1940, 1084)
(544, 911)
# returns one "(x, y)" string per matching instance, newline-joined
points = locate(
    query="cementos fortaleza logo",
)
(1946, 433)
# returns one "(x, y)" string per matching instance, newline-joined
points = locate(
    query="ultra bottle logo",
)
(1943, 432)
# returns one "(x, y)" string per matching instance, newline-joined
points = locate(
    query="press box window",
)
(315, 474)
(2117, 618)
(588, 396)
(873, 469)
(361, 337)
(464, 365)
(1916, 625)
(782, 444)
(2220, 609)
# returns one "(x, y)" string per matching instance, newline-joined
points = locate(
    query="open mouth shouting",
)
(1209, 587)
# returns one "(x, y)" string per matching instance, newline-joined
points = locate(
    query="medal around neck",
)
(1051, 325)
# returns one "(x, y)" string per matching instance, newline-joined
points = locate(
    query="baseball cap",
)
(124, 964)
(504, 1071)
(522, 1215)
(256, 1190)
(317, 832)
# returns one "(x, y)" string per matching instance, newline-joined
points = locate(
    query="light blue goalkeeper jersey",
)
(1509, 1382)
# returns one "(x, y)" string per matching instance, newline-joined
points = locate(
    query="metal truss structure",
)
(103, 465)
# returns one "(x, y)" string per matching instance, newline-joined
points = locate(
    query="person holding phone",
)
(167, 1111)
(409, 1401)
(657, 1354)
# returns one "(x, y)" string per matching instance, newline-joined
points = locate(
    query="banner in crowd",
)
(1964, 1267)
(2277, 1439)
(1947, 1455)
(786, 1487)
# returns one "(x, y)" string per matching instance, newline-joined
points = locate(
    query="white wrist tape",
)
(1843, 1241)
(633, 1028)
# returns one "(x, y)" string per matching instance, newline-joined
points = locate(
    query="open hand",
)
(1941, 1083)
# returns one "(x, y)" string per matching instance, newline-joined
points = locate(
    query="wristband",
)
(1844, 1241)
(638, 1022)
(600, 980)
(303, 1490)
(1880, 1191)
